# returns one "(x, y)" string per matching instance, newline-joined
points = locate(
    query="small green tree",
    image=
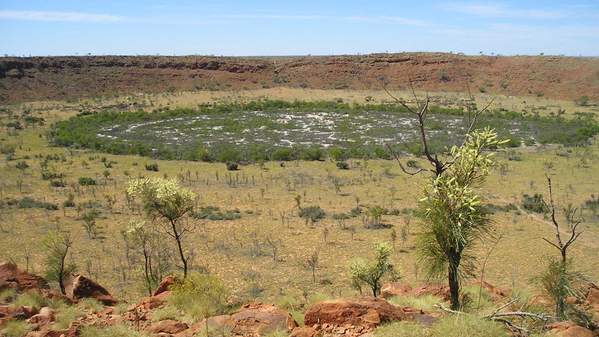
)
(165, 200)
(371, 273)
(452, 215)
(57, 247)
(142, 237)
(560, 280)
(89, 223)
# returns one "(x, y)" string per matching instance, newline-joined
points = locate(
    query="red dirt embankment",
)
(40, 78)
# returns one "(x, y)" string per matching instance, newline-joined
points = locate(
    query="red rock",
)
(441, 291)
(164, 285)
(167, 326)
(568, 329)
(45, 316)
(83, 287)
(257, 319)
(367, 312)
(304, 331)
(395, 289)
(12, 277)
(496, 293)
(251, 320)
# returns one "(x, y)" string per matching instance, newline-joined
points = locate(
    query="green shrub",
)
(342, 165)
(534, 203)
(199, 296)
(28, 202)
(86, 181)
(312, 213)
(231, 166)
(283, 154)
(371, 273)
(58, 183)
(582, 101)
(152, 167)
(215, 214)
(22, 165)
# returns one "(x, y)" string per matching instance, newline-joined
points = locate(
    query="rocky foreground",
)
(340, 317)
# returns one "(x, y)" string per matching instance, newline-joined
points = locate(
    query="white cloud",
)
(57, 16)
(371, 19)
(499, 11)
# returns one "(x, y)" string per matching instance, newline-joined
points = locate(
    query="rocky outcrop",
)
(367, 312)
(168, 326)
(82, 287)
(12, 277)
(252, 320)
(164, 285)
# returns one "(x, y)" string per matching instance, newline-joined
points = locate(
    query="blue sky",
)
(235, 27)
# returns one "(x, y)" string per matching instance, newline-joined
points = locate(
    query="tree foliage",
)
(372, 272)
(452, 215)
(57, 246)
(165, 200)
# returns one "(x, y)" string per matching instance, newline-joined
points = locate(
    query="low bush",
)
(534, 203)
(152, 167)
(86, 181)
(312, 213)
(342, 165)
(199, 296)
(215, 213)
(27, 202)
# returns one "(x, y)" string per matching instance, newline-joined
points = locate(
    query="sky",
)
(300, 27)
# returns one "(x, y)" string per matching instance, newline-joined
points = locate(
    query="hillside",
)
(40, 78)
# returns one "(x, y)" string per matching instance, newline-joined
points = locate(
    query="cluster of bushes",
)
(81, 131)
(27, 202)
(215, 213)
(534, 203)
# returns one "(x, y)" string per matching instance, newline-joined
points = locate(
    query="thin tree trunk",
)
(146, 271)
(179, 246)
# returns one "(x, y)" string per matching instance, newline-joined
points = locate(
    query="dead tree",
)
(421, 110)
(573, 223)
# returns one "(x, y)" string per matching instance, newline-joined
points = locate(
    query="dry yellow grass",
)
(268, 193)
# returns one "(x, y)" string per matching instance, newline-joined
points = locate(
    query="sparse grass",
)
(401, 329)
(271, 198)
(90, 304)
(425, 302)
(15, 328)
(30, 299)
(119, 330)
(166, 312)
(467, 326)
(65, 316)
